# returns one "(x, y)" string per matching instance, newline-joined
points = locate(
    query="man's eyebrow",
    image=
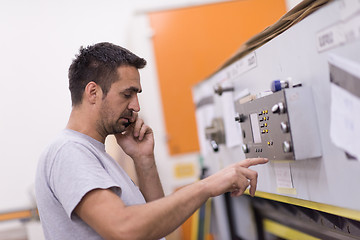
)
(133, 89)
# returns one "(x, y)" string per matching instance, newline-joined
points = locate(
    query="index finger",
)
(253, 161)
(137, 127)
(134, 116)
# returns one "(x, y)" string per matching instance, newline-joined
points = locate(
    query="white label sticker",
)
(241, 66)
(330, 38)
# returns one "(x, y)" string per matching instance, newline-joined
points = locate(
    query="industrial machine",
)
(307, 128)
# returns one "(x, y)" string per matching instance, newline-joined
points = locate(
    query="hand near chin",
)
(137, 140)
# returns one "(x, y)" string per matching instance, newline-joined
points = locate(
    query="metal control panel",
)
(280, 126)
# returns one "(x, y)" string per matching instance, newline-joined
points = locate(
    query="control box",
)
(215, 133)
(280, 126)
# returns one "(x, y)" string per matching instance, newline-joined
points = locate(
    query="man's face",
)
(118, 107)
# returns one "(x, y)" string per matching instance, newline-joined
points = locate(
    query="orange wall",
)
(190, 44)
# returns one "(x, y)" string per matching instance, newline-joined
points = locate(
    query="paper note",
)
(283, 175)
(345, 104)
(344, 129)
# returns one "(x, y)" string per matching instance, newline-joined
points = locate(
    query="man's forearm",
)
(149, 181)
(161, 217)
(105, 212)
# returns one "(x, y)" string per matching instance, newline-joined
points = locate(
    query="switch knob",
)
(240, 117)
(278, 108)
(214, 145)
(245, 148)
(284, 127)
(286, 146)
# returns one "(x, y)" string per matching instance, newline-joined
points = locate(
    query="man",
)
(82, 193)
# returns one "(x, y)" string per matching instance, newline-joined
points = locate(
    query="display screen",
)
(255, 128)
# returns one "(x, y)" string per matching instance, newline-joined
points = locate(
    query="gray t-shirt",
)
(70, 167)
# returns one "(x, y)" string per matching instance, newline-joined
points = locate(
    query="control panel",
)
(280, 126)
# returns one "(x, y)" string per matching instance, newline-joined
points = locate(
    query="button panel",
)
(281, 126)
(271, 123)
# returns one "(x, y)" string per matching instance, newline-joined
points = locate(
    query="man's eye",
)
(127, 95)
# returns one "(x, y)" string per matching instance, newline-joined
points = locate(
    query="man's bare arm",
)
(105, 212)
(149, 180)
(138, 142)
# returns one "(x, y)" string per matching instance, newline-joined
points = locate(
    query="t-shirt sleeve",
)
(75, 172)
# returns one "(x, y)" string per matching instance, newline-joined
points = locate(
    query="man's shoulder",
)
(63, 150)
(65, 141)
(67, 138)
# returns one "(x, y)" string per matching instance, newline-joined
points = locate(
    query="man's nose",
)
(134, 104)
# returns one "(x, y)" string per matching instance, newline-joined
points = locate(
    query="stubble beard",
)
(119, 126)
(108, 125)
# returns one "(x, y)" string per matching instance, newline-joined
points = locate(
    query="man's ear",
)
(92, 92)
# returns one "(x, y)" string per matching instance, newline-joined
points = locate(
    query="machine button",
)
(275, 108)
(286, 146)
(284, 127)
(281, 107)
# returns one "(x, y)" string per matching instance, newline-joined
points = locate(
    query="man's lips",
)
(127, 124)
(127, 121)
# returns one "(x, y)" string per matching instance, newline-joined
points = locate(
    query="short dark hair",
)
(99, 63)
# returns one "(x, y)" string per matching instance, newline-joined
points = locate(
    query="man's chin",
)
(121, 128)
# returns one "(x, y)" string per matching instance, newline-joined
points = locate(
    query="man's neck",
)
(85, 124)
